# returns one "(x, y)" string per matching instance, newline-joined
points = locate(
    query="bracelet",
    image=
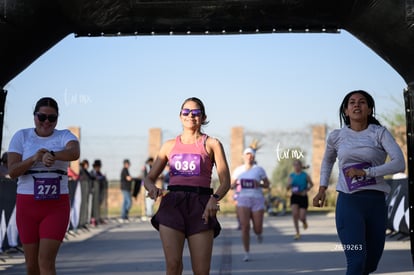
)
(52, 153)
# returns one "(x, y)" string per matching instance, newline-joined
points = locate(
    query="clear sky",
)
(117, 88)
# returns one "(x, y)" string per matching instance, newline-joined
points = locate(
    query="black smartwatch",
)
(52, 153)
(215, 196)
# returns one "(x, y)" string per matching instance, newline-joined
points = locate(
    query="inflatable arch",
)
(28, 28)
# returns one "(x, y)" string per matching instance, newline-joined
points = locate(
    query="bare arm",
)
(159, 164)
(221, 166)
(70, 153)
(266, 183)
(233, 181)
(18, 167)
(215, 146)
(320, 197)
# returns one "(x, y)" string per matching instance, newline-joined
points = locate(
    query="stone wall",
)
(75, 165)
(154, 141)
(318, 149)
(236, 147)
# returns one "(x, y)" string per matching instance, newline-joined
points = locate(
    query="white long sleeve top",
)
(351, 147)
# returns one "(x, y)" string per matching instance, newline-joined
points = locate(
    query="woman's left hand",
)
(211, 209)
(353, 172)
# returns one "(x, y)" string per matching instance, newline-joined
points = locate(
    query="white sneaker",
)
(259, 238)
(246, 257)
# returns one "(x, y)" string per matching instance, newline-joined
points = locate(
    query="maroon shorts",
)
(183, 211)
(42, 219)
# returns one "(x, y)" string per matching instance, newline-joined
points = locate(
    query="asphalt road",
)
(135, 248)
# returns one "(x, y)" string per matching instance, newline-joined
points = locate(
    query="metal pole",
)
(3, 94)
(409, 115)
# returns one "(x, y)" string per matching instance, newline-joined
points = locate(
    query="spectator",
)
(86, 181)
(126, 186)
(99, 189)
(149, 203)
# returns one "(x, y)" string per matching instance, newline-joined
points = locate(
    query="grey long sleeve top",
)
(351, 147)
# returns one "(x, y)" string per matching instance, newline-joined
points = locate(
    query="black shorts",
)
(183, 211)
(302, 201)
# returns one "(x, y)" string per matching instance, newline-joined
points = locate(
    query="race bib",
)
(46, 188)
(248, 183)
(358, 182)
(185, 165)
(295, 189)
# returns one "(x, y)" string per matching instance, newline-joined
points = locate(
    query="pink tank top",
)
(190, 164)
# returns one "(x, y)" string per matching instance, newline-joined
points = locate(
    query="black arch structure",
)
(28, 28)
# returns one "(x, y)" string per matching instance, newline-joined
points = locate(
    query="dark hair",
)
(46, 101)
(149, 160)
(201, 105)
(97, 163)
(84, 162)
(371, 104)
(300, 163)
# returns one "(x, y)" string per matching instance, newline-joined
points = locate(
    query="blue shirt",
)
(299, 181)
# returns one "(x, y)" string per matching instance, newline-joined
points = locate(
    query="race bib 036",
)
(185, 165)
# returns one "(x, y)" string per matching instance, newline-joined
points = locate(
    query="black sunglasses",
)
(42, 117)
(195, 112)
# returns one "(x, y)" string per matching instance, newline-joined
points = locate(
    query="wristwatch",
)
(215, 196)
(52, 153)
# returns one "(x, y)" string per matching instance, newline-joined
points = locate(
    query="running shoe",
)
(297, 237)
(305, 225)
(259, 238)
(246, 257)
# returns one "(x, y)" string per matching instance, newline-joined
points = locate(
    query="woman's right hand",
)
(38, 157)
(153, 191)
(320, 198)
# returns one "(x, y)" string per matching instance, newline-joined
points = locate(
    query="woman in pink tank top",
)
(188, 210)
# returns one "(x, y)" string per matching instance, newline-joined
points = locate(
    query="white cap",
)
(249, 150)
